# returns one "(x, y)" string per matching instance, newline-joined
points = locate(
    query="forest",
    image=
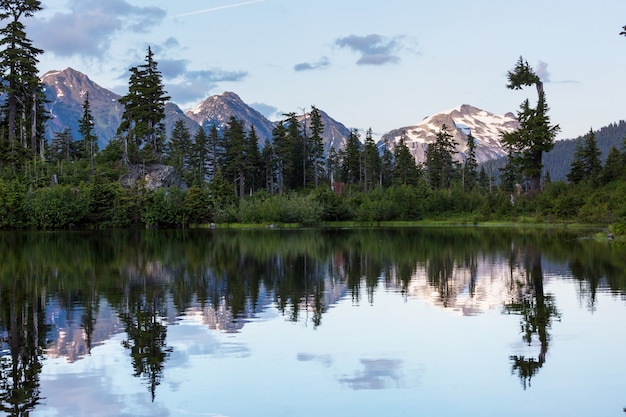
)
(225, 177)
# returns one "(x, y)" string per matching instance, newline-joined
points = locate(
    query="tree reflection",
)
(536, 309)
(22, 333)
(146, 334)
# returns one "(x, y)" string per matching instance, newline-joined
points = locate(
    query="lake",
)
(439, 321)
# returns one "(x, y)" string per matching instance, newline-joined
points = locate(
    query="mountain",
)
(335, 134)
(217, 110)
(173, 114)
(484, 126)
(65, 92)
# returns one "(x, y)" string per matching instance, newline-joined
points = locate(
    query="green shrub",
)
(57, 207)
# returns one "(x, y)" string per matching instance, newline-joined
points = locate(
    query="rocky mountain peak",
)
(461, 121)
(217, 110)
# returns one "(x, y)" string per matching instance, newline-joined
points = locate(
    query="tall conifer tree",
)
(317, 143)
(23, 113)
(88, 139)
(536, 135)
(144, 110)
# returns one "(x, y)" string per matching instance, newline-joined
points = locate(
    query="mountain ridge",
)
(65, 91)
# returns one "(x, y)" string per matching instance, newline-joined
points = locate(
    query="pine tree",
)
(586, 164)
(252, 160)
(179, 149)
(63, 147)
(89, 140)
(440, 159)
(267, 157)
(235, 156)
(372, 162)
(281, 155)
(144, 110)
(405, 170)
(317, 143)
(351, 164)
(510, 174)
(577, 167)
(199, 157)
(613, 167)
(535, 135)
(215, 151)
(386, 168)
(470, 165)
(294, 164)
(22, 111)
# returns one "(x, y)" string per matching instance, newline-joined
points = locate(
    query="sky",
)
(368, 64)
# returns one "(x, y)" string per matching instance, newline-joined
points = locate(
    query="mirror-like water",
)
(401, 322)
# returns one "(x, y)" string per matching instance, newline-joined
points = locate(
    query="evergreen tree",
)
(613, 167)
(577, 167)
(371, 162)
(483, 180)
(405, 170)
(235, 162)
(440, 159)
(144, 110)
(88, 140)
(179, 150)
(586, 164)
(253, 160)
(317, 143)
(535, 135)
(22, 111)
(281, 155)
(510, 174)
(267, 166)
(215, 151)
(62, 147)
(470, 165)
(387, 163)
(294, 165)
(351, 164)
(199, 157)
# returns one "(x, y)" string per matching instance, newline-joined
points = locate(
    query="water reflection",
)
(64, 293)
(537, 310)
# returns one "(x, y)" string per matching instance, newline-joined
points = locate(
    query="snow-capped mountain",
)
(66, 91)
(485, 127)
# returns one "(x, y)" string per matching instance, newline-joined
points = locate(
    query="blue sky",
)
(373, 64)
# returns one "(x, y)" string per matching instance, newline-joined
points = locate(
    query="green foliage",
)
(334, 207)
(57, 207)
(285, 208)
(197, 205)
(11, 204)
(163, 208)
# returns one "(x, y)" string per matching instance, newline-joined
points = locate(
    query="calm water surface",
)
(402, 322)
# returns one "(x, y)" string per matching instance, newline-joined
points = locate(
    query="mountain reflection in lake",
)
(372, 322)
